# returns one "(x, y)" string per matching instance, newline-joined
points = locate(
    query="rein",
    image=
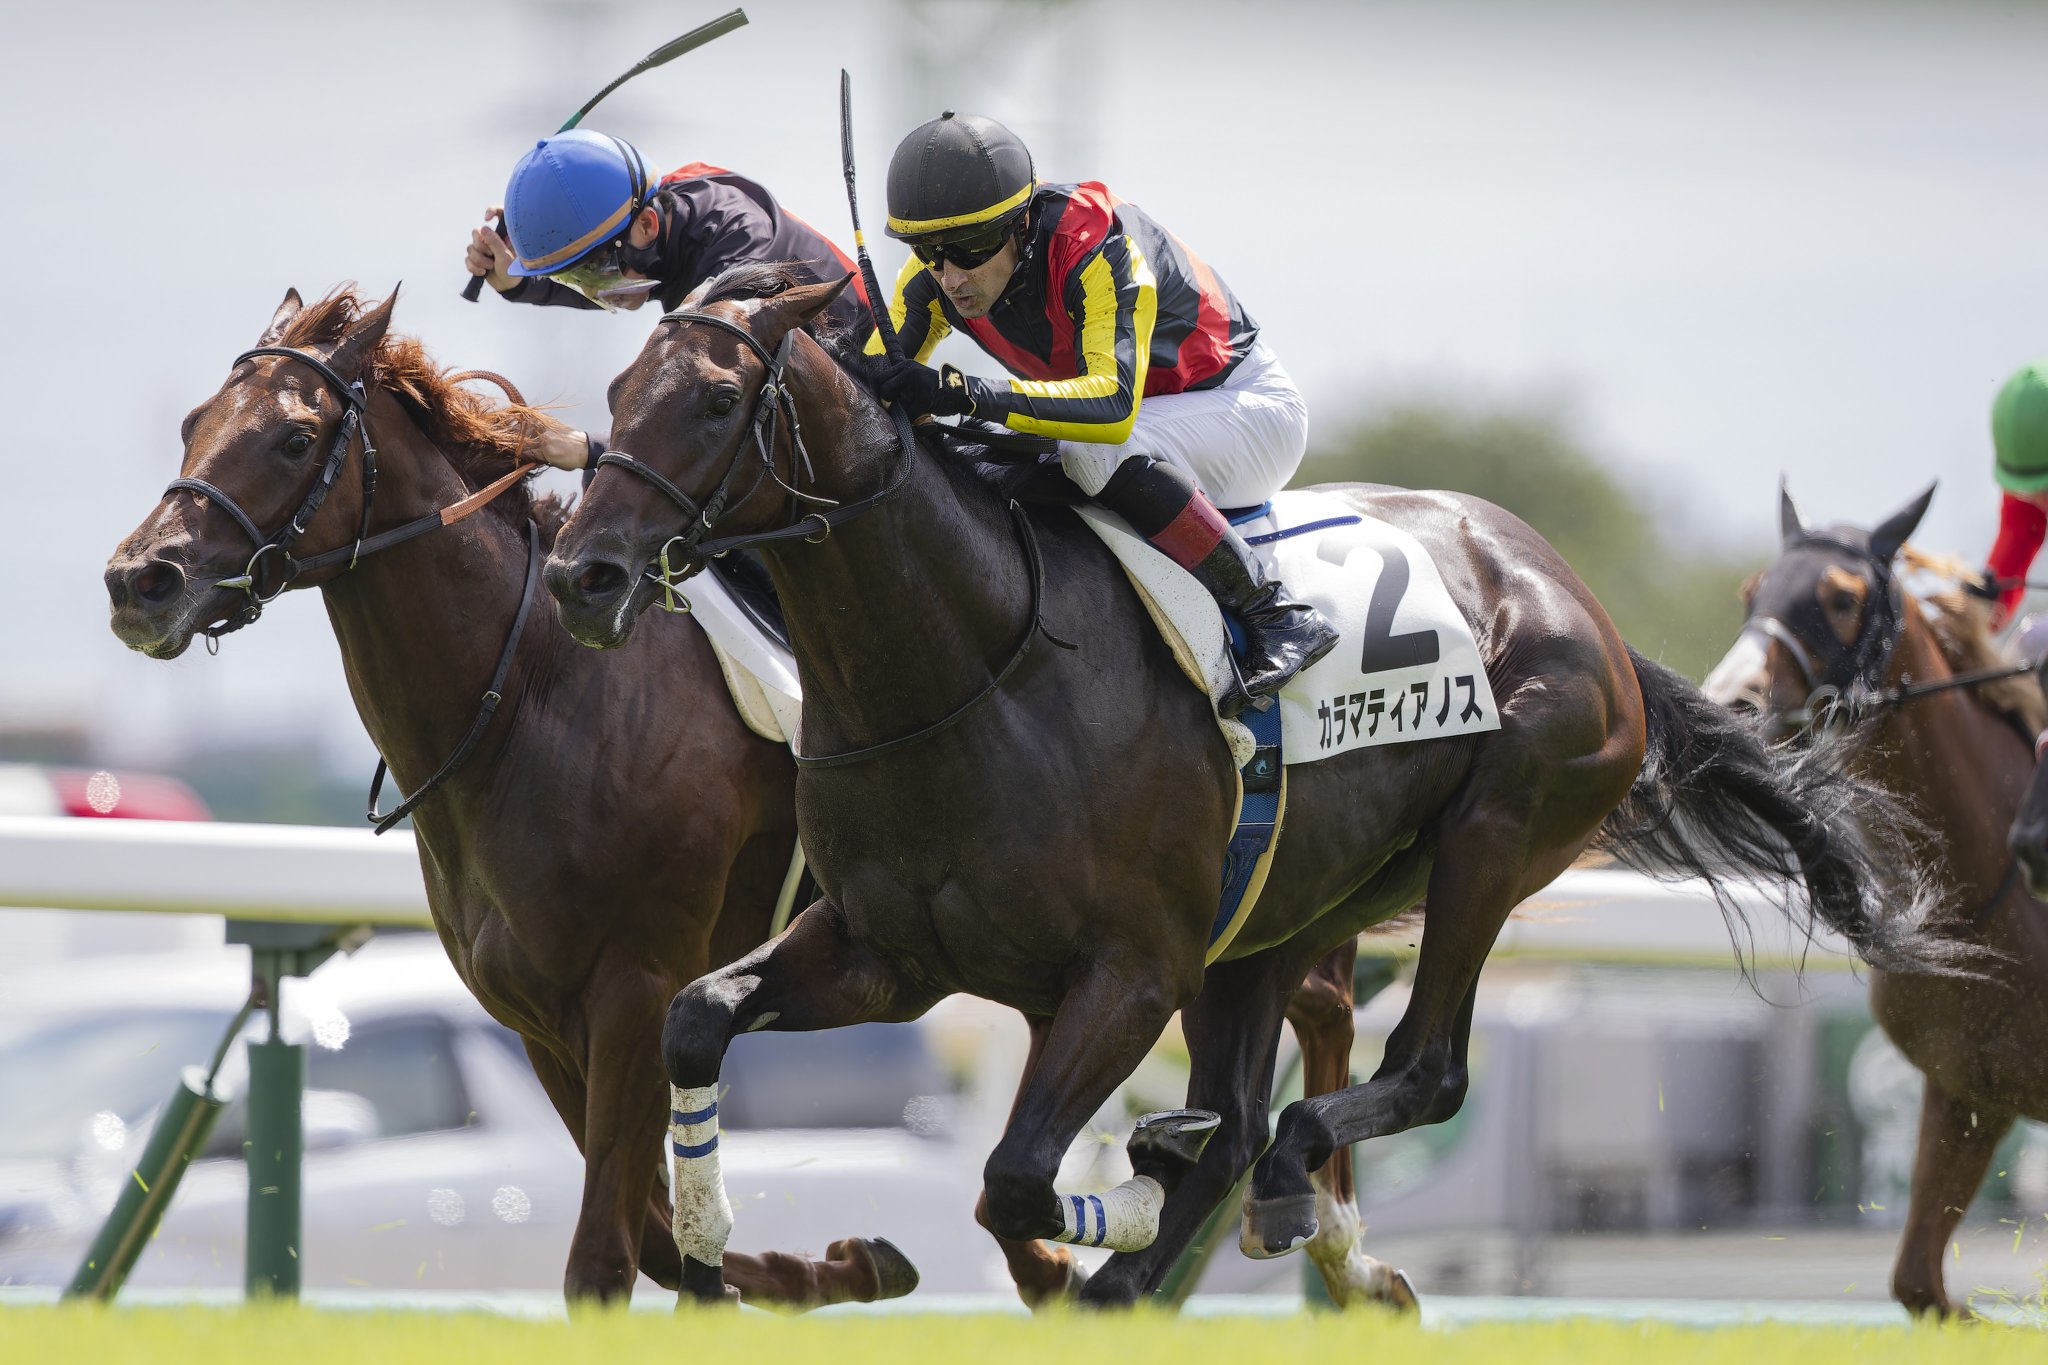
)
(775, 397)
(281, 541)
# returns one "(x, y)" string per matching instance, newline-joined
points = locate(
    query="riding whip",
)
(661, 56)
(878, 305)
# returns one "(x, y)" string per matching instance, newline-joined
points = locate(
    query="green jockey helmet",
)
(2019, 430)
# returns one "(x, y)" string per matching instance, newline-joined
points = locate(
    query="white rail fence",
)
(315, 875)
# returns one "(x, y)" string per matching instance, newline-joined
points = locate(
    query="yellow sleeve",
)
(920, 323)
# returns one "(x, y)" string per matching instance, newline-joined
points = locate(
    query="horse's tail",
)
(1713, 801)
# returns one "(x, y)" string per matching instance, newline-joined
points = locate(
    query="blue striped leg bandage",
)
(703, 1215)
(1123, 1219)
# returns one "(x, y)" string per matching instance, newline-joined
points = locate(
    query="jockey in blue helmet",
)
(589, 225)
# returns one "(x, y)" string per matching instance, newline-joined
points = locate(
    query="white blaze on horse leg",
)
(1123, 1219)
(1744, 672)
(703, 1215)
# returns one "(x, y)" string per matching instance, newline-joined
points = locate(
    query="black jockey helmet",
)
(960, 175)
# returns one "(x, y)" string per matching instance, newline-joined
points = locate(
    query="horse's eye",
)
(723, 404)
(299, 444)
(1844, 602)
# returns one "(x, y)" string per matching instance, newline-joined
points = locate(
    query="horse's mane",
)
(1961, 625)
(481, 438)
(766, 279)
(846, 346)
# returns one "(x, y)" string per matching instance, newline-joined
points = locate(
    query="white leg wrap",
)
(703, 1216)
(1123, 1219)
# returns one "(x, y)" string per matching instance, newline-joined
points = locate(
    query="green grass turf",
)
(78, 1335)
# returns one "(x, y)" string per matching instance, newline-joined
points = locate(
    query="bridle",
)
(289, 570)
(1847, 686)
(774, 404)
(280, 541)
(775, 401)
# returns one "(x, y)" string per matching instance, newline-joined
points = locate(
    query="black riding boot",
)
(1163, 505)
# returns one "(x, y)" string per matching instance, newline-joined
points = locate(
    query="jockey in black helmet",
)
(590, 226)
(1124, 345)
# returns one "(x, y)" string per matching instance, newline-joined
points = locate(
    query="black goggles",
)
(966, 252)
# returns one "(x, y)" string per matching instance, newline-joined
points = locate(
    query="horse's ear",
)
(361, 340)
(282, 318)
(1894, 530)
(792, 308)
(1790, 527)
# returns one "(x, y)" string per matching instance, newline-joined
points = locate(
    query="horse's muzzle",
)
(594, 597)
(152, 602)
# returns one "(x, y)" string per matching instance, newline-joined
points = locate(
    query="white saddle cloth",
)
(760, 674)
(1421, 679)
(1407, 667)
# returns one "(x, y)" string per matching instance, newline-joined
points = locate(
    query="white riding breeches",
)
(1242, 441)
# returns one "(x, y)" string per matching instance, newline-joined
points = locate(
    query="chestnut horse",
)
(616, 832)
(1831, 635)
(1009, 788)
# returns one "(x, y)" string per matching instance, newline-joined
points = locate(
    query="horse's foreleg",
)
(1232, 1031)
(1099, 1034)
(1956, 1146)
(1321, 1016)
(1042, 1271)
(813, 977)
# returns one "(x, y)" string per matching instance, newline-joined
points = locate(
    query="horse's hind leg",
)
(813, 977)
(1565, 761)
(1321, 1016)
(1956, 1147)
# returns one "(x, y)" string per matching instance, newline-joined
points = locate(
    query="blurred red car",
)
(31, 789)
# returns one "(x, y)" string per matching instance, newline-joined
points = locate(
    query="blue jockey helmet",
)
(574, 192)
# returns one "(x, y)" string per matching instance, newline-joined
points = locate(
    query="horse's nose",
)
(590, 581)
(150, 584)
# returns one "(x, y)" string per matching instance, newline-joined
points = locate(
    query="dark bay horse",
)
(1830, 627)
(1010, 789)
(618, 831)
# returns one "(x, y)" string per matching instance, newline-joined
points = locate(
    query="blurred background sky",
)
(1727, 239)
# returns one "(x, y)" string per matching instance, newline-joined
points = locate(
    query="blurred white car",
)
(435, 1160)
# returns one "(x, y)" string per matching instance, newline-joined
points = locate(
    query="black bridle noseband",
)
(813, 526)
(280, 542)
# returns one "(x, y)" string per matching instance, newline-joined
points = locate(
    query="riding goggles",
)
(966, 251)
(600, 277)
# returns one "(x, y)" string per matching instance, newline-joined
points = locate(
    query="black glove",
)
(1984, 585)
(919, 389)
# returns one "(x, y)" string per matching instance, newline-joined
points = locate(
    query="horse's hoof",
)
(704, 1286)
(895, 1276)
(1068, 1293)
(1399, 1293)
(1274, 1227)
(1166, 1145)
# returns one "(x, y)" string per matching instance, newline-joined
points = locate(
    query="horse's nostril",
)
(158, 583)
(600, 579)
